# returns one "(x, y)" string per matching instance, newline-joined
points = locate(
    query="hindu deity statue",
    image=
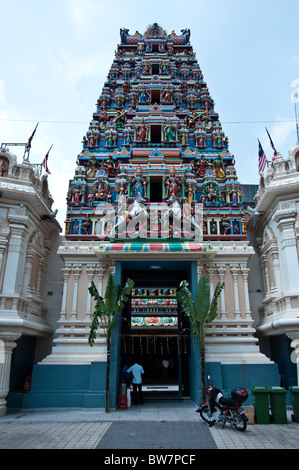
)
(202, 167)
(110, 167)
(169, 131)
(173, 184)
(93, 167)
(141, 131)
(138, 184)
(101, 190)
(218, 167)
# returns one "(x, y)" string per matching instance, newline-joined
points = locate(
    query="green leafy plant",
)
(201, 312)
(106, 315)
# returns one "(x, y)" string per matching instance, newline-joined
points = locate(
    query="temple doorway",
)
(154, 331)
(156, 189)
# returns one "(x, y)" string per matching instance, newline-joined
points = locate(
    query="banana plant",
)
(106, 315)
(201, 312)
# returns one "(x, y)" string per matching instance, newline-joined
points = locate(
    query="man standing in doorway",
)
(137, 370)
(165, 365)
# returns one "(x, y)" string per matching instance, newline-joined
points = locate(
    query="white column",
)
(15, 253)
(90, 269)
(76, 271)
(265, 269)
(276, 269)
(235, 271)
(245, 272)
(101, 270)
(199, 271)
(288, 243)
(221, 272)
(27, 273)
(211, 271)
(7, 344)
(66, 274)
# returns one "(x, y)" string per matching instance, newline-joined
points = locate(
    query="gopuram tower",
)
(154, 149)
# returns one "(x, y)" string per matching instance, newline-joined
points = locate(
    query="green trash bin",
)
(261, 404)
(278, 405)
(295, 402)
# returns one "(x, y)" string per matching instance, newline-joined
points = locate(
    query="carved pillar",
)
(76, 271)
(27, 273)
(15, 253)
(101, 270)
(7, 344)
(276, 269)
(265, 270)
(245, 272)
(90, 269)
(235, 271)
(211, 271)
(66, 273)
(199, 271)
(221, 272)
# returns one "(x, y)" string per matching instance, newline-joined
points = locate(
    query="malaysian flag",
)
(272, 145)
(262, 158)
(45, 161)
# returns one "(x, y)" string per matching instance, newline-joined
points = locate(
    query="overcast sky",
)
(56, 54)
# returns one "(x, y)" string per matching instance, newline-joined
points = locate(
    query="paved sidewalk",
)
(173, 425)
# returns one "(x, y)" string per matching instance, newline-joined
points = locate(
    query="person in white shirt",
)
(165, 365)
(137, 370)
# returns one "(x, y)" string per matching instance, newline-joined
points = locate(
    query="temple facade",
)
(30, 273)
(155, 197)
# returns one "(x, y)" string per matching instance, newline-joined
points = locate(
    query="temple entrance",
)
(155, 332)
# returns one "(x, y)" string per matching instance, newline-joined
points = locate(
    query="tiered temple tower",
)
(154, 135)
(155, 132)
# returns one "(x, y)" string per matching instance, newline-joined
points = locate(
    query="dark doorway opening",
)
(152, 345)
(156, 190)
(155, 47)
(155, 96)
(155, 69)
(155, 134)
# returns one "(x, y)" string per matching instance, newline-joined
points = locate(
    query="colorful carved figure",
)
(122, 192)
(190, 193)
(3, 167)
(218, 167)
(86, 224)
(110, 167)
(170, 131)
(141, 131)
(101, 190)
(77, 195)
(120, 119)
(138, 184)
(93, 167)
(173, 184)
(225, 224)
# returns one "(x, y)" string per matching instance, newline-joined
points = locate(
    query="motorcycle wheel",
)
(241, 424)
(204, 414)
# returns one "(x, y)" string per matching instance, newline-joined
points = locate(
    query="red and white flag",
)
(45, 161)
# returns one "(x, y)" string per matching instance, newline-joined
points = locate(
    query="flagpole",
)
(296, 116)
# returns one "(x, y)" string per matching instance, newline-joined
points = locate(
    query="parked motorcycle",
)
(220, 409)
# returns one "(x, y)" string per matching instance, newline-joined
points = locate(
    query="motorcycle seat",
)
(228, 402)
